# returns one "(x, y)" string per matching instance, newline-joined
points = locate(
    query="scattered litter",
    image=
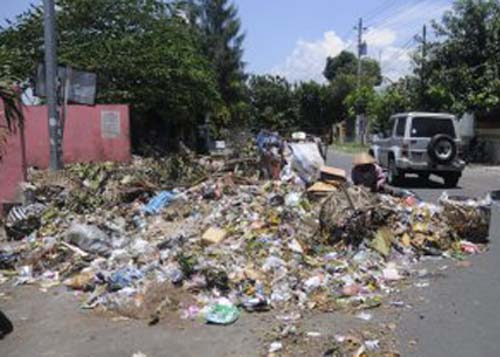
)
(423, 284)
(213, 236)
(391, 273)
(89, 238)
(222, 314)
(275, 347)
(469, 247)
(364, 316)
(372, 345)
(423, 274)
(139, 354)
(205, 236)
(158, 202)
(313, 334)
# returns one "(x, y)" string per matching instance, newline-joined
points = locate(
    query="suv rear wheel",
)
(451, 179)
(394, 176)
(442, 149)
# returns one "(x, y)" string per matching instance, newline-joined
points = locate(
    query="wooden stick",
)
(75, 249)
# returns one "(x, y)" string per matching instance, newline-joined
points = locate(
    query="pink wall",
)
(85, 139)
(92, 134)
(12, 170)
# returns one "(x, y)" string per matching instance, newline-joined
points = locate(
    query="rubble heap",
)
(204, 236)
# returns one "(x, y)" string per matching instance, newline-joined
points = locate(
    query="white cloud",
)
(411, 18)
(395, 56)
(379, 37)
(308, 59)
(388, 40)
(395, 62)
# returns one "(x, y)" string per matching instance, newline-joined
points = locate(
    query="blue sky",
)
(294, 37)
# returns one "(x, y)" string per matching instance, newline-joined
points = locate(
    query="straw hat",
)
(363, 159)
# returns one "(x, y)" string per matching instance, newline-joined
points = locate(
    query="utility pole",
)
(360, 122)
(361, 49)
(422, 67)
(55, 133)
(496, 53)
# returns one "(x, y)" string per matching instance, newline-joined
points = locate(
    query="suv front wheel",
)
(394, 176)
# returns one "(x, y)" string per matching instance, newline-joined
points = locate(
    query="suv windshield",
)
(430, 126)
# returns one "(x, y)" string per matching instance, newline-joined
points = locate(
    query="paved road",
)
(459, 314)
(476, 181)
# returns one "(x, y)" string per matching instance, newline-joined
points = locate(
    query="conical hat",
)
(363, 159)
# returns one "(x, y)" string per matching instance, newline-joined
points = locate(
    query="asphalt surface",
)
(476, 181)
(459, 313)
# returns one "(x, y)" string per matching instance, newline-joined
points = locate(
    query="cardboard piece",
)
(320, 187)
(332, 173)
(213, 235)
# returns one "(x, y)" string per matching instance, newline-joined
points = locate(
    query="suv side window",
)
(400, 127)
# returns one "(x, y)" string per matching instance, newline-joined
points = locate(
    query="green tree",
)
(311, 97)
(341, 72)
(346, 64)
(360, 101)
(387, 102)
(462, 69)
(220, 28)
(273, 101)
(142, 51)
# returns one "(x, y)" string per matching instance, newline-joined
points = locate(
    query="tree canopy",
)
(461, 70)
(222, 43)
(143, 52)
(346, 64)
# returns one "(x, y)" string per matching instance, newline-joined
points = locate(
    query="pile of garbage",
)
(208, 237)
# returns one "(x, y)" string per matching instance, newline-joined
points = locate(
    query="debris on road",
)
(182, 233)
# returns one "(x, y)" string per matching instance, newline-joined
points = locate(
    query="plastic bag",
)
(89, 238)
(159, 202)
(222, 314)
(307, 160)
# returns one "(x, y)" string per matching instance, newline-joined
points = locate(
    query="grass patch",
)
(350, 148)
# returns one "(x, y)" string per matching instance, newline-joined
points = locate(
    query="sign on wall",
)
(110, 124)
(81, 85)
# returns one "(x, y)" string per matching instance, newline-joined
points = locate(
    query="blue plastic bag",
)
(159, 202)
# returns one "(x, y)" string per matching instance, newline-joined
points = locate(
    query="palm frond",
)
(10, 104)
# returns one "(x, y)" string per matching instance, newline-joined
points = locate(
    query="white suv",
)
(421, 143)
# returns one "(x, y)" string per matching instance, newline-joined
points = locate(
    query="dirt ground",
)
(51, 324)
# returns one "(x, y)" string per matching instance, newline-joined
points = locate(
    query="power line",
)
(401, 50)
(371, 14)
(390, 6)
(386, 21)
(378, 10)
(384, 17)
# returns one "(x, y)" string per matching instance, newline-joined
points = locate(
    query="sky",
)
(293, 38)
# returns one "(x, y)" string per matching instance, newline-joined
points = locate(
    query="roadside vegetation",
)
(349, 147)
(179, 64)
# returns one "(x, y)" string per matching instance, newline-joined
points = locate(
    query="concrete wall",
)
(466, 126)
(91, 134)
(488, 130)
(12, 170)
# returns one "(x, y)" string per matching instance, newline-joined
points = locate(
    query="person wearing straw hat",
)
(366, 172)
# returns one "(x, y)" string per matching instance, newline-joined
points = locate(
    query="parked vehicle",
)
(421, 143)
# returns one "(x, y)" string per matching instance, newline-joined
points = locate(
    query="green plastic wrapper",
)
(222, 314)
